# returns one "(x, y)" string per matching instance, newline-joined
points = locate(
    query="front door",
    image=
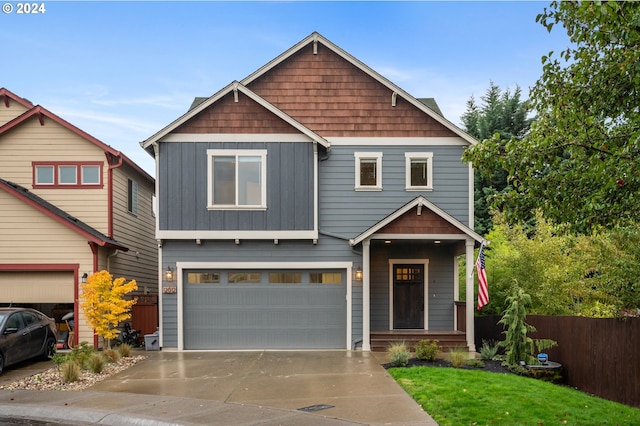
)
(408, 296)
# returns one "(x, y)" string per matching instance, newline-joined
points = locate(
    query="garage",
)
(264, 309)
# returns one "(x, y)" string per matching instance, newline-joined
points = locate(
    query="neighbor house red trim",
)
(8, 95)
(72, 267)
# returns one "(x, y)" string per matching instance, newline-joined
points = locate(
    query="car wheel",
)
(1, 363)
(49, 348)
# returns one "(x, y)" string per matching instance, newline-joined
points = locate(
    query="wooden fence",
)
(598, 356)
(144, 314)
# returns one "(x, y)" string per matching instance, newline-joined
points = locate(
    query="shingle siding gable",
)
(334, 98)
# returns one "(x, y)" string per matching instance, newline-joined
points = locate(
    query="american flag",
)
(483, 287)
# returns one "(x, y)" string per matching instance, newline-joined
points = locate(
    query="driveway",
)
(346, 385)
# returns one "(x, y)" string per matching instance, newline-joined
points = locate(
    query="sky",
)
(122, 70)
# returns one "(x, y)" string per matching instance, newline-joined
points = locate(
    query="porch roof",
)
(418, 202)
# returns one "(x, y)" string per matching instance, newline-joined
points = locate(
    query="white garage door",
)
(242, 309)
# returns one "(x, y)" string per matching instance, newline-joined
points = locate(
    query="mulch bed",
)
(489, 365)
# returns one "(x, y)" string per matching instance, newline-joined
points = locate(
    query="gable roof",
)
(59, 215)
(6, 95)
(419, 201)
(41, 112)
(234, 87)
(315, 38)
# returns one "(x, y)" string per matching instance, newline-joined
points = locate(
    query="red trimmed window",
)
(66, 174)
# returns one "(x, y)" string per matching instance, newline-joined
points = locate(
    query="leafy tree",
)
(104, 305)
(501, 113)
(579, 162)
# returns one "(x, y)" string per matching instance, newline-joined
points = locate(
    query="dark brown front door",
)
(408, 296)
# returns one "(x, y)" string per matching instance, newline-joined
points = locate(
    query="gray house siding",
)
(345, 211)
(183, 188)
(440, 286)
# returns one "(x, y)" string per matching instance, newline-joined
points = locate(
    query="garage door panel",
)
(264, 316)
(36, 286)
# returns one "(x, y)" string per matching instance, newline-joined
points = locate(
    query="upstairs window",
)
(67, 175)
(368, 171)
(419, 171)
(132, 196)
(237, 179)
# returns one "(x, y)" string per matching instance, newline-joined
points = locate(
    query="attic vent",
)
(394, 96)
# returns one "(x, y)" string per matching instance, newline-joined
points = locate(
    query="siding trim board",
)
(181, 267)
(396, 141)
(236, 137)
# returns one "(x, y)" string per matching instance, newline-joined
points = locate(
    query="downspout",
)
(115, 253)
(110, 158)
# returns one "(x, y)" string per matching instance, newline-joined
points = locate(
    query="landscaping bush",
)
(399, 354)
(111, 355)
(125, 350)
(70, 372)
(458, 357)
(95, 363)
(427, 350)
(489, 350)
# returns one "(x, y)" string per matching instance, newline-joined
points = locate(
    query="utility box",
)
(152, 341)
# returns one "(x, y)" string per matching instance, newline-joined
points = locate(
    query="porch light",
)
(84, 278)
(359, 274)
(169, 274)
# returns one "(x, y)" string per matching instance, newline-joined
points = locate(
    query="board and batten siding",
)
(183, 188)
(30, 142)
(348, 212)
(135, 231)
(326, 250)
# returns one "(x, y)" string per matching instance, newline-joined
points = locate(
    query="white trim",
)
(316, 191)
(262, 153)
(399, 141)
(180, 266)
(366, 296)
(359, 156)
(236, 137)
(409, 157)
(418, 236)
(471, 200)
(425, 295)
(233, 235)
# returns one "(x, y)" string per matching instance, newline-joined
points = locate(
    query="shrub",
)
(489, 350)
(124, 350)
(111, 355)
(427, 350)
(80, 354)
(70, 372)
(458, 357)
(95, 363)
(399, 354)
(474, 363)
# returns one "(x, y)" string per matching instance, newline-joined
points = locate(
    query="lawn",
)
(454, 396)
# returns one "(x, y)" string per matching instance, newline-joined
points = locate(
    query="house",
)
(312, 204)
(70, 205)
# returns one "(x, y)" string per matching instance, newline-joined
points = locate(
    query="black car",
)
(25, 333)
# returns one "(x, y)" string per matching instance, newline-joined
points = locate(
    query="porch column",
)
(366, 297)
(470, 299)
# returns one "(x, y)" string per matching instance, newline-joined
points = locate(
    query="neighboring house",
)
(70, 205)
(312, 204)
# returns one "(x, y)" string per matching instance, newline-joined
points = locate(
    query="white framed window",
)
(419, 171)
(67, 175)
(90, 175)
(44, 175)
(368, 171)
(237, 179)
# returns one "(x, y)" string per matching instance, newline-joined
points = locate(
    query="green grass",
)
(455, 396)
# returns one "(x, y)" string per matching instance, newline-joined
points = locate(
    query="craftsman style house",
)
(70, 205)
(313, 204)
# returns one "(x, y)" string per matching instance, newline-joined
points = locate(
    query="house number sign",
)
(169, 290)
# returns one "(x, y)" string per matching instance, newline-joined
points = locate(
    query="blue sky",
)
(123, 70)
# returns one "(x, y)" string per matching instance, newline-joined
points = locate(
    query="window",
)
(203, 278)
(237, 179)
(368, 170)
(67, 175)
(245, 277)
(132, 196)
(285, 278)
(325, 277)
(419, 170)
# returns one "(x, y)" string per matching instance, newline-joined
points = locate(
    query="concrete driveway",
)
(351, 386)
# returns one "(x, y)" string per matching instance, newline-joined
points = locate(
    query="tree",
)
(580, 160)
(500, 113)
(104, 305)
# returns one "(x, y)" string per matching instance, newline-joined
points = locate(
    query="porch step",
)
(447, 340)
